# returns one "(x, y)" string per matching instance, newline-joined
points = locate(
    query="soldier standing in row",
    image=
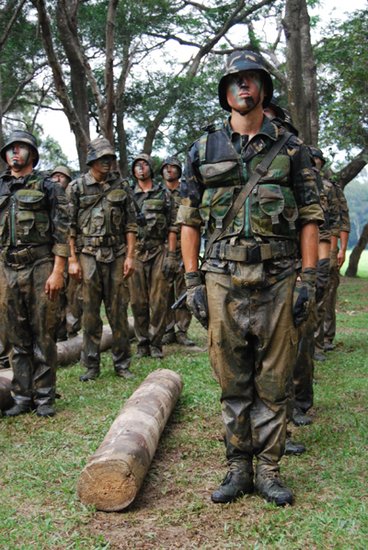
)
(156, 264)
(103, 231)
(249, 273)
(34, 229)
(177, 322)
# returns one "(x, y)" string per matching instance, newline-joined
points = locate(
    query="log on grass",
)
(114, 474)
(6, 400)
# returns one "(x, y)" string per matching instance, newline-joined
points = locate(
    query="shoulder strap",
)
(261, 170)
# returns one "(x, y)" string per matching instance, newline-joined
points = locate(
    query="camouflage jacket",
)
(158, 209)
(219, 164)
(331, 210)
(33, 212)
(344, 219)
(175, 193)
(101, 215)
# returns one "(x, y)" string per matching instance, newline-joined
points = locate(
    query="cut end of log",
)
(109, 487)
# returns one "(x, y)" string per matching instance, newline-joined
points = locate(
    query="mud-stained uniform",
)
(34, 227)
(148, 286)
(250, 276)
(101, 216)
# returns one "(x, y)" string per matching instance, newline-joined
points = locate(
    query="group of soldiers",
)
(251, 233)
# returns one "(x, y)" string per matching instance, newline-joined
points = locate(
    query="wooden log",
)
(114, 474)
(6, 400)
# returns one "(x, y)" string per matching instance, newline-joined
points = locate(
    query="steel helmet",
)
(147, 158)
(174, 161)
(317, 153)
(98, 148)
(62, 170)
(21, 136)
(245, 61)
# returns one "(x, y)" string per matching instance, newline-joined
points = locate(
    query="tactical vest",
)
(101, 216)
(25, 216)
(269, 212)
(155, 211)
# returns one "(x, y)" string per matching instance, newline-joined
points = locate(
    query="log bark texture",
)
(114, 474)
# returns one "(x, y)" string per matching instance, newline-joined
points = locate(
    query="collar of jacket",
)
(268, 128)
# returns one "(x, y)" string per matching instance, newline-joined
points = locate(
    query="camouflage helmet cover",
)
(244, 61)
(173, 161)
(145, 157)
(21, 136)
(98, 148)
(62, 170)
(317, 153)
(284, 115)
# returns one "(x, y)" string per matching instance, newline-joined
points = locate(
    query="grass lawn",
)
(41, 460)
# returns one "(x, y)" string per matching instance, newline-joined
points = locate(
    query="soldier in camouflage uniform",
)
(337, 259)
(156, 264)
(103, 231)
(248, 277)
(34, 228)
(171, 171)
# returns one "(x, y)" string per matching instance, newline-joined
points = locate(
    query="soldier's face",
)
(170, 172)
(19, 155)
(61, 179)
(142, 170)
(102, 166)
(245, 91)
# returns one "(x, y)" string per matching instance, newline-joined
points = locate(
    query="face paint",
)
(142, 170)
(61, 179)
(101, 167)
(170, 172)
(244, 91)
(18, 156)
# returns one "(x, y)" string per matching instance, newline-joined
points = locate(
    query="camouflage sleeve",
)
(173, 228)
(59, 216)
(130, 215)
(73, 203)
(304, 182)
(333, 210)
(344, 210)
(191, 191)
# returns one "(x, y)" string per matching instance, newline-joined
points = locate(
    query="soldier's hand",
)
(340, 258)
(304, 296)
(129, 267)
(197, 297)
(170, 266)
(75, 269)
(54, 284)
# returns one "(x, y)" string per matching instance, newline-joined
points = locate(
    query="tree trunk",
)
(114, 474)
(352, 269)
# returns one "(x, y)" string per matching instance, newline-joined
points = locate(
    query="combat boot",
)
(91, 374)
(143, 351)
(156, 352)
(293, 448)
(300, 418)
(329, 346)
(270, 486)
(124, 373)
(237, 483)
(18, 408)
(45, 410)
(183, 339)
(169, 338)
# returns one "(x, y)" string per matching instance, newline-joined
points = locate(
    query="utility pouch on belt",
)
(247, 275)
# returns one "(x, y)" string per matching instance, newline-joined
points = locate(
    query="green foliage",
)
(342, 59)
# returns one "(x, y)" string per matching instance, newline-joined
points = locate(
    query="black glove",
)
(323, 276)
(304, 295)
(197, 297)
(170, 266)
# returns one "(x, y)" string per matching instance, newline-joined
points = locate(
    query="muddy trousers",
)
(329, 326)
(252, 346)
(304, 366)
(149, 296)
(103, 282)
(31, 331)
(179, 319)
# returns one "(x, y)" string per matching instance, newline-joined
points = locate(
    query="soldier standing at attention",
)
(156, 265)
(102, 241)
(245, 290)
(171, 172)
(34, 231)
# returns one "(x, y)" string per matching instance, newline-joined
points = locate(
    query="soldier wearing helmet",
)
(245, 289)
(102, 242)
(34, 227)
(156, 262)
(61, 174)
(177, 323)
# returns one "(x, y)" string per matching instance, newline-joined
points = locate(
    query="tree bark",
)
(114, 474)
(352, 269)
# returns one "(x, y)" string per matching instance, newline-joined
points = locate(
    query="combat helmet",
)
(284, 116)
(316, 153)
(174, 161)
(62, 170)
(21, 136)
(147, 158)
(98, 148)
(245, 61)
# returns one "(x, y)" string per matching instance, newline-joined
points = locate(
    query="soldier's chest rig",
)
(155, 210)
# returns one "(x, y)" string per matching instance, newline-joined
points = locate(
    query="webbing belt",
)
(252, 254)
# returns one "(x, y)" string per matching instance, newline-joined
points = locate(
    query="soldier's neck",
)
(172, 184)
(145, 185)
(22, 172)
(248, 124)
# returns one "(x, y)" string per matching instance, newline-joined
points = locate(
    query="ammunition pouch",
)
(252, 254)
(19, 258)
(103, 240)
